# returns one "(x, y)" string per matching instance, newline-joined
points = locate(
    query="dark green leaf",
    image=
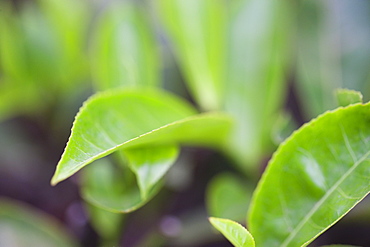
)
(150, 164)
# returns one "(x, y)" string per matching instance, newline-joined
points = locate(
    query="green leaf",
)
(36, 55)
(259, 52)
(234, 232)
(315, 177)
(228, 197)
(112, 188)
(150, 164)
(348, 97)
(197, 31)
(21, 225)
(69, 23)
(122, 119)
(124, 51)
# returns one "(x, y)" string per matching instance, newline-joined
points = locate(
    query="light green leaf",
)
(315, 177)
(234, 232)
(228, 197)
(112, 188)
(122, 119)
(21, 225)
(348, 97)
(124, 51)
(36, 56)
(69, 23)
(258, 58)
(197, 33)
(150, 164)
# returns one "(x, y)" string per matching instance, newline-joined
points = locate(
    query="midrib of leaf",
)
(322, 200)
(131, 142)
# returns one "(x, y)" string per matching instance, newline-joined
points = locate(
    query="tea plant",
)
(315, 177)
(239, 68)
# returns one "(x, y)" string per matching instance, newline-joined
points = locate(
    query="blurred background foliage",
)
(271, 65)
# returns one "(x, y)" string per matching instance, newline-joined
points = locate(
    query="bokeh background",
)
(272, 65)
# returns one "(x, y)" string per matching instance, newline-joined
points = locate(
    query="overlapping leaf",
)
(228, 197)
(131, 119)
(114, 189)
(319, 174)
(150, 164)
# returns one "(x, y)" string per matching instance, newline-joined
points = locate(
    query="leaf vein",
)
(322, 200)
(348, 145)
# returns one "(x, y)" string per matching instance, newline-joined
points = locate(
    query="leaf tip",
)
(346, 97)
(54, 181)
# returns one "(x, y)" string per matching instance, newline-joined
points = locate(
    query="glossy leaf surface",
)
(122, 119)
(21, 225)
(124, 51)
(315, 177)
(234, 232)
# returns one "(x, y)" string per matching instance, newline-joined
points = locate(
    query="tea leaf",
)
(150, 164)
(234, 232)
(113, 189)
(197, 34)
(315, 177)
(121, 119)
